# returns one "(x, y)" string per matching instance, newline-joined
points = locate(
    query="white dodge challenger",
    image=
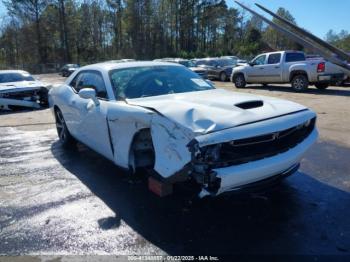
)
(164, 117)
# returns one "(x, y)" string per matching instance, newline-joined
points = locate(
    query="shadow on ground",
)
(19, 109)
(302, 216)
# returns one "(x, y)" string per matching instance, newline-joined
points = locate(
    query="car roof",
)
(165, 59)
(13, 71)
(107, 66)
(208, 58)
(284, 51)
(213, 58)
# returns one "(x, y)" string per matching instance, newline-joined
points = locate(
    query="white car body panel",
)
(174, 120)
(170, 144)
(199, 112)
(12, 87)
(125, 121)
(255, 129)
(5, 103)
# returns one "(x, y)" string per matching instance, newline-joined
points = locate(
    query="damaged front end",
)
(240, 163)
(23, 97)
(202, 162)
(227, 144)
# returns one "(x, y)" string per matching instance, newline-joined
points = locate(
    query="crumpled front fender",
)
(170, 146)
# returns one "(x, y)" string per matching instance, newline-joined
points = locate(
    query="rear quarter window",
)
(295, 57)
(200, 62)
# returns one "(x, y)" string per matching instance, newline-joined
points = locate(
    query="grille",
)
(18, 95)
(255, 148)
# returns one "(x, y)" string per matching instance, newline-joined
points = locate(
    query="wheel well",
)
(297, 72)
(237, 74)
(141, 153)
(55, 108)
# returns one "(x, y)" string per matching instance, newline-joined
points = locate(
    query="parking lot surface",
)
(54, 201)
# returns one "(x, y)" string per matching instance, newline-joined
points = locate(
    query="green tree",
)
(275, 39)
(340, 40)
(30, 11)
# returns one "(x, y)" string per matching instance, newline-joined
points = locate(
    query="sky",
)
(317, 16)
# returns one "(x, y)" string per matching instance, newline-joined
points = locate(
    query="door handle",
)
(277, 67)
(261, 68)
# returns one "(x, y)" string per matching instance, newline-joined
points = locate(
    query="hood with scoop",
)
(213, 110)
(20, 86)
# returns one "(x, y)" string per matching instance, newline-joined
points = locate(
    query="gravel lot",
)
(58, 202)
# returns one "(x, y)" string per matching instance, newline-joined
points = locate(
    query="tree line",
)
(86, 31)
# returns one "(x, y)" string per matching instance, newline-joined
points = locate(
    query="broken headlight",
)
(212, 153)
(205, 154)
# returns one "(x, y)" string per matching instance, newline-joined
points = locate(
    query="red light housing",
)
(321, 67)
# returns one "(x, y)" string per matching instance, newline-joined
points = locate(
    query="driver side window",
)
(90, 79)
(260, 60)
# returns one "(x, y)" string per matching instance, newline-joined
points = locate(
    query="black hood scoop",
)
(250, 104)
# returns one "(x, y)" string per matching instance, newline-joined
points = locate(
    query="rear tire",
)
(300, 83)
(62, 131)
(223, 77)
(322, 86)
(239, 81)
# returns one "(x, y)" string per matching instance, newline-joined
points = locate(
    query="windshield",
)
(72, 65)
(228, 62)
(15, 77)
(147, 81)
(187, 63)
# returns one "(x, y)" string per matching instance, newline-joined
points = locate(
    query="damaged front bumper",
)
(237, 161)
(24, 97)
(238, 177)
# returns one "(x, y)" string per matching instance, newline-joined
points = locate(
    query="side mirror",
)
(251, 64)
(88, 93)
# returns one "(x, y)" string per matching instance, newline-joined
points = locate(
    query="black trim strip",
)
(110, 137)
(264, 75)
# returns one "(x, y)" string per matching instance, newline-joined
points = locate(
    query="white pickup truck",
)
(287, 67)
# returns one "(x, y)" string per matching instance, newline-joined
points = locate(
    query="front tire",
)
(322, 86)
(300, 83)
(239, 81)
(62, 131)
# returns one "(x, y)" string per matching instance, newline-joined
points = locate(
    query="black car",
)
(68, 69)
(217, 68)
